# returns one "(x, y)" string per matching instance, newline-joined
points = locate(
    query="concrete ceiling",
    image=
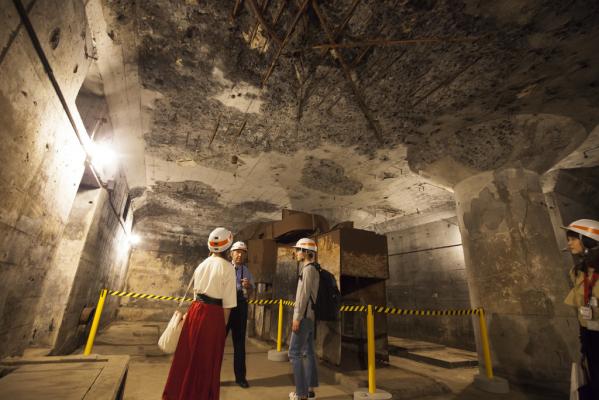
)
(365, 133)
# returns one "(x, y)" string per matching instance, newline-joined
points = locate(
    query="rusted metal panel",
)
(329, 252)
(358, 259)
(364, 254)
(256, 230)
(262, 259)
(284, 287)
(295, 225)
(357, 290)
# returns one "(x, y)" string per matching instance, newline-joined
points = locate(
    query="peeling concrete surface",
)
(329, 177)
(508, 243)
(521, 93)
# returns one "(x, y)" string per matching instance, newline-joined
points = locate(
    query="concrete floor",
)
(404, 378)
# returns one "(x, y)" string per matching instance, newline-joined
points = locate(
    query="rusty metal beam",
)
(235, 9)
(372, 122)
(276, 20)
(279, 13)
(258, 14)
(447, 81)
(346, 20)
(215, 130)
(336, 35)
(285, 39)
(389, 42)
(304, 16)
(264, 6)
(242, 127)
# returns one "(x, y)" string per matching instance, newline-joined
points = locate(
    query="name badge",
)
(593, 302)
(586, 312)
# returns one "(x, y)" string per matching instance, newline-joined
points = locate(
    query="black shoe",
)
(243, 383)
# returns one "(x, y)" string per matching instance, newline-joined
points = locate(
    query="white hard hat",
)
(220, 240)
(239, 246)
(585, 227)
(306, 244)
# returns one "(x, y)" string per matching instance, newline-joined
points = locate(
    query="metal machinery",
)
(357, 258)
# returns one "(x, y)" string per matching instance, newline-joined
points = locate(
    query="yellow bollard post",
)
(95, 323)
(371, 350)
(280, 327)
(485, 343)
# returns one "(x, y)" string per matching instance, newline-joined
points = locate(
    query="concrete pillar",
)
(515, 271)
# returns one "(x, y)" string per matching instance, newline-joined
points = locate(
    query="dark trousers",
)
(237, 325)
(589, 341)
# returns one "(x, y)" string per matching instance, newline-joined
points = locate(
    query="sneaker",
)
(293, 396)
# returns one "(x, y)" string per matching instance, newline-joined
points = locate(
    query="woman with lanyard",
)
(195, 371)
(583, 243)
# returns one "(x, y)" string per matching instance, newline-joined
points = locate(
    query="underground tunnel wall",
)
(102, 264)
(42, 160)
(427, 271)
(162, 264)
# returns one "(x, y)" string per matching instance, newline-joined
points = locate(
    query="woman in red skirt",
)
(195, 372)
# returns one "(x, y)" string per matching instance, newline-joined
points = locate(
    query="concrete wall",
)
(41, 158)
(427, 271)
(61, 274)
(508, 242)
(159, 266)
(103, 264)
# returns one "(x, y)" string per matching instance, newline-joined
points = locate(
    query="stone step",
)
(403, 344)
(432, 353)
(446, 358)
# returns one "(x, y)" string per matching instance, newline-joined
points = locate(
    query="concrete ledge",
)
(496, 385)
(67, 377)
(280, 356)
(363, 394)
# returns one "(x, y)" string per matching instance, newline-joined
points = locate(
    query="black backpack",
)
(328, 300)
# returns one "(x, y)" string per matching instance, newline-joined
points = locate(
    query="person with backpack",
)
(301, 346)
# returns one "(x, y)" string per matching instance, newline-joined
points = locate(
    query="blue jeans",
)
(302, 357)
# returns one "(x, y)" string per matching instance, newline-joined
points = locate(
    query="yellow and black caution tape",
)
(270, 301)
(426, 313)
(399, 311)
(345, 308)
(134, 295)
(353, 308)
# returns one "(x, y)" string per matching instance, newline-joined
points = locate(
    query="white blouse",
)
(215, 277)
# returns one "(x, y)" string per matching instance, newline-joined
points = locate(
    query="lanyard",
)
(240, 269)
(588, 286)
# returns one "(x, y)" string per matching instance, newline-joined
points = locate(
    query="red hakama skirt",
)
(195, 371)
